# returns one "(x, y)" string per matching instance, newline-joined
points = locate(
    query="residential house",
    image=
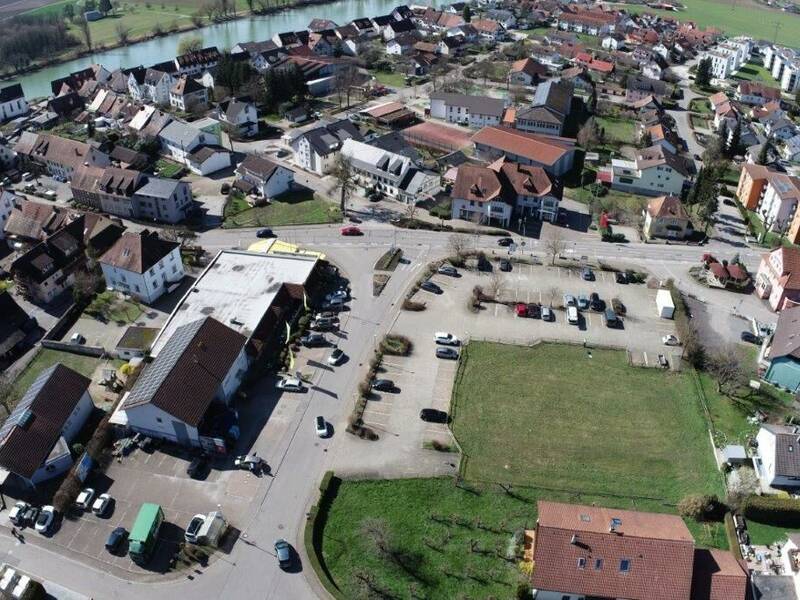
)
(266, 177)
(554, 154)
(595, 22)
(552, 102)
(316, 149)
(790, 149)
(58, 156)
(167, 200)
(774, 196)
(240, 115)
(474, 111)
(665, 217)
(142, 265)
(188, 95)
(208, 159)
(14, 327)
(8, 202)
(593, 552)
(150, 85)
(12, 103)
(196, 63)
(638, 87)
(660, 134)
(786, 586)
(776, 461)
(403, 44)
(179, 139)
(655, 171)
(526, 71)
(389, 173)
(778, 278)
(489, 29)
(614, 41)
(756, 94)
(36, 437)
(452, 45)
(197, 372)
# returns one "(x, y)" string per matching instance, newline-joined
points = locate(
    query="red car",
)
(532, 311)
(351, 231)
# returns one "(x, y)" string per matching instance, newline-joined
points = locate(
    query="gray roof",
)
(555, 95)
(328, 138)
(787, 449)
(786, 341)
(773, 587)
(479, 105)
(179, 133)
(540, 113)
(158, 187)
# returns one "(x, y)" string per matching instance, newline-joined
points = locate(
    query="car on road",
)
(621, 277)
(531, 311)
(447, 270)
(351, 230)
(250, 462)
(44, 522)
(383, 385)
(290, 384)
(446, 339)
(336, 357)
(587, 274)
(225, 189)
(265, 233)
(569, 300)
(583, 302)
(115, 539)
(84, 500)
(431, 415)
(313, 339)
(750, 337)
(728, 201)
(190, 535)
(431, 287)
(446, 352)
(505, 265)
(505, 241)
(283, 552)
(547, 314)
(595, 303)
(670, 340)
(282, 153)
(197, 467)
(321, 426)
(102, 504)
(17, 512)
(340, 294)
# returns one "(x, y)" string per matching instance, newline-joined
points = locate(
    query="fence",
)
(97, 351)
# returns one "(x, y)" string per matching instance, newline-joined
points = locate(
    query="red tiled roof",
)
(719, 270)
(543, 149)
(718, 576)
(667, 207)
(478, 184)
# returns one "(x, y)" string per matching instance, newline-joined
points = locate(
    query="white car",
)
(16, 512)
(290, 384)
(190, 535)
(77, 339)
(336, 357)
(670, 340)
(322, 427)
(85, 498)
(45, 519)
(446, 339)
(101, 505)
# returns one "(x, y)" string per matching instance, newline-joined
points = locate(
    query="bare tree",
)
(554, 246)
(123, 33)
(86, 31)
(5, 394)
(377, 532)
(457, 244)
(518, 94)
(494, 284)
(345, 180)
(725, 364)
(411, 210)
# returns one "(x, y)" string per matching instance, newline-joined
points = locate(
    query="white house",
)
(187, 94)
(179, 139)
(777, 459)
(269, 178)
(316, 149)
(202, 365)
(655, 172)
(205, 160)
(239, 114)
(35, 439)
(150, 85)
(474, 111)
(12, 103)
(142, 265)
(8, 202)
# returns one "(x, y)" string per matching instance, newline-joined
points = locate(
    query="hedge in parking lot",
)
(396, 345)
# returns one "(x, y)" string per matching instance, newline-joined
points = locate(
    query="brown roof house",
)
(35, 439)
(190, 381)
(188, 95)
(143, 265)
(665, 217)
(526, 71)
(592, 552)
(13, 326)
(268, 179)
(555, 155)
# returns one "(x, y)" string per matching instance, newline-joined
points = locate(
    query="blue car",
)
(115, 539)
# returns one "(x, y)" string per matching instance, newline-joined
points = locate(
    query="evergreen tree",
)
(104, 6)
(763, 153)
(735, 141)
(466, 14)
(703, 75)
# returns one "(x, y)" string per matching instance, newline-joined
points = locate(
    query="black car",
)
(225, 189)
(115, 539)
(383, 385)
(505, 265)
(311, 340)
(621, 277)
(431, 415)
(283, 552)
(750, 337)
(505, 241)
(728, 201)
(197, 468)
(561, 219)
(595, 303)
(429, 286)
(265, 233)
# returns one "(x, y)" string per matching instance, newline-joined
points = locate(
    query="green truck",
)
(144, 533)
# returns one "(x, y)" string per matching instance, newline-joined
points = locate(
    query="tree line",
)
(26, 38)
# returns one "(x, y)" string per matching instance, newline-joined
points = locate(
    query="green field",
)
(743, 18)
(289, 209)
(700, 105)
(754, 71)
(392, 80)
(575, 423)
(47, 358)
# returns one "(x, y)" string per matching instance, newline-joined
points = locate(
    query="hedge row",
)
(312, 535)
(778, 511)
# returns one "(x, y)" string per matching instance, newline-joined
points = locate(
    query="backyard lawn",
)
(699, 122)
(46, 358)
(392, 80)
(755, 71)
(618, 130)
(301, 208)
(700, 105)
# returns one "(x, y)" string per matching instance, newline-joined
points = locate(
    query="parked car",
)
(115, 539)
(313, 339)
(431, 415)
(321, 426)
(621, 277)
(531, 311)
(569, 300)
(324, 323)
(283, 152)
(611, 318)
(595, 303)
(351, 230)
(572, 315)
(583, 302)
(446, 352)
(431, 287)
(225, 189)
(505, 265)
(17, 512)
(290, 384)
(340, 294)
(84, 500)
(547, 314)
(265, 233)
(383, 385)
(197, 467)
(618, 307)
(336, 357)
(446, 339)
(750, 337)
(671, 340)
(587, 274)
(251, 462)
(102, 504)
(190, 535)
(447, 270)
(283, 551)
(77, 339)
(30, 515)
(505, 241)
(45, 520)
(335, 304)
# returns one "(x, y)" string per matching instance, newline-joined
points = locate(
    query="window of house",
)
(624, 565)
(598, 564)
(158, 419)
(581, 563)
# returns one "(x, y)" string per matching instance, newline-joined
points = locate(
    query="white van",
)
(572, 315)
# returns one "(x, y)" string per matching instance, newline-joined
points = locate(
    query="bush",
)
(598, 189)
(326, 481)
(413, 305)
(67, 493)
(77, 449)
(699, 507)
(396, 345)
(615, 238)
(777, 511)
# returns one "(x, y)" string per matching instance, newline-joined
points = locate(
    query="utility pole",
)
(778, 25)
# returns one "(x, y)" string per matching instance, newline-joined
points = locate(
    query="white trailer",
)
(665, 305)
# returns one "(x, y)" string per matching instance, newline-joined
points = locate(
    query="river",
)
(222, 35)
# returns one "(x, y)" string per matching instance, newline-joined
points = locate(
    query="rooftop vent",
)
(574, 540)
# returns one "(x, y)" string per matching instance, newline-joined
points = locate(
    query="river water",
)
(223, 35)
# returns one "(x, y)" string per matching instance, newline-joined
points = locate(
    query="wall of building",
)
(279, 183)
(151, 420)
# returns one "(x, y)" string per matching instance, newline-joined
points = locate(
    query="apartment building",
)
(773, 196)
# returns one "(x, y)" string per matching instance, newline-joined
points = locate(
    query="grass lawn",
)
(300, 208)
(46, 358)
(748, 18)
(760, 533)
(700, 105)
(754, 71)
(392, 80)
(589, 425)
(699, 122)
(619, 130)
(167, 168)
